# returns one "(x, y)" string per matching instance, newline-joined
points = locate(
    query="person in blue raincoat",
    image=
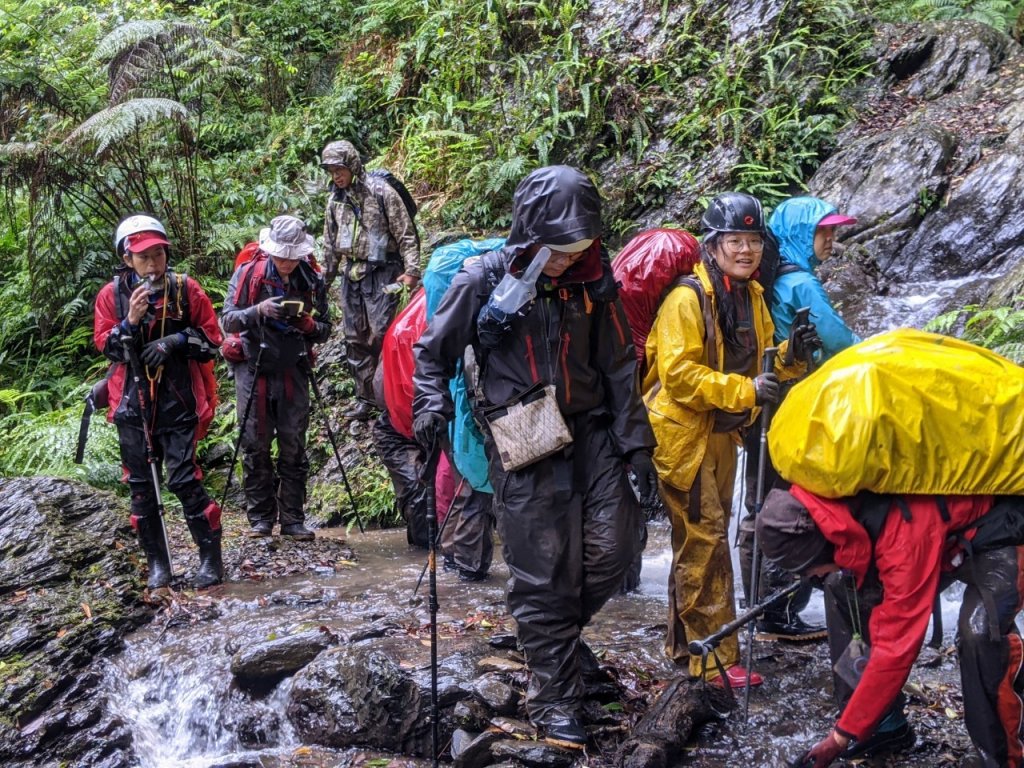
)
(805, 228)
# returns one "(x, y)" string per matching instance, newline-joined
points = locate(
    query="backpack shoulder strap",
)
(119, 303)
(250, 281)
(787, 268)
(710, 336)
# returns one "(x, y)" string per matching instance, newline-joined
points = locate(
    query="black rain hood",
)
(555, 205)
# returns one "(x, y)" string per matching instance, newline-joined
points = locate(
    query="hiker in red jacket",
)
(165, 322)
(884, 560)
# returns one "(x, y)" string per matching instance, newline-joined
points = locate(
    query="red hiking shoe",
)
(738, 677)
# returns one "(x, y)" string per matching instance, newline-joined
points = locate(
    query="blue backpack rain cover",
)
(467, 442)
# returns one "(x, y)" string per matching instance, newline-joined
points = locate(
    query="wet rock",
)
(499, 664)
(471, 715)
(265, 664)
(496, 695)
(536, 754)
(954, 55)
(880, 180)
(473, 750)
(360, 696)
(69, 588)
(974, 230)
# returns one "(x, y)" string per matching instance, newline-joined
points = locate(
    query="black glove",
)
(493, 324)
(766, 389)
(156, 352)
(803, 341)
(646, 475)
(428, 428)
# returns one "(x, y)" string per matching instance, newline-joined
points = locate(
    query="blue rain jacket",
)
(793, 222)
(467, 442)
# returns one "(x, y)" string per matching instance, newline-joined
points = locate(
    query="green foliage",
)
(1001, 14)
(43, 442)
(374, 496)
(1000, 329)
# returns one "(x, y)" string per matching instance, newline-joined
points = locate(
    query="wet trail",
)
(173, 681)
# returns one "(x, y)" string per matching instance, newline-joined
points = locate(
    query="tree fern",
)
(110, 127)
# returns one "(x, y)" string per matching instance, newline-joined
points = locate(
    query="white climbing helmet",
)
(133, 225)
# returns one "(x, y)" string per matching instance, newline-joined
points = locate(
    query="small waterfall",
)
(185, 712)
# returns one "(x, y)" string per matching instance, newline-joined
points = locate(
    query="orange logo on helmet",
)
(748, 220)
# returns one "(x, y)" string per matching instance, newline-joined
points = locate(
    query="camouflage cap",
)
(342, 153)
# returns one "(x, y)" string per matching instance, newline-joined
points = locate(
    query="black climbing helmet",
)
(733, 212)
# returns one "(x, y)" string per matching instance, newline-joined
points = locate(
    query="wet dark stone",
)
(536, 754)
(471, 715)
(473, 750)
(352, 696)
(265, 664)
(69, 588)
(496, 695)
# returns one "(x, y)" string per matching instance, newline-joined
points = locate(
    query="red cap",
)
(837, 220)
(140, 241)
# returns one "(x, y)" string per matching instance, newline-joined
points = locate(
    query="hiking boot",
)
(794, 630)
(207, 538)
(564, 731)
(158, 561)
(363, 411)
(297, 531)
(448, 564)
(471, 576)
(738, 678)
(261, 529)
(882, 743)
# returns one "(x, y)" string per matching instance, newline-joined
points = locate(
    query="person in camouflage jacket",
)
(370, 240)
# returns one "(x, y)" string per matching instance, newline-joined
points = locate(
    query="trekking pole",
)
(767, 366)
(427, 478)
(709, 643)
(245, 420)
(136, 366)
(440, 532)
(330, 436)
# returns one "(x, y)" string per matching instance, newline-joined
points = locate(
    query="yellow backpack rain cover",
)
(905, 412)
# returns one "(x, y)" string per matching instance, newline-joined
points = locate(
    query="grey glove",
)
(271, 308)
(766, 389)
(156, 352)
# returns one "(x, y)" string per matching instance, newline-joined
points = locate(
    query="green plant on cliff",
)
(1000, 329)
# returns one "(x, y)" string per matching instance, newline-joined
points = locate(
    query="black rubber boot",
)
(151, 537)
(207, 538)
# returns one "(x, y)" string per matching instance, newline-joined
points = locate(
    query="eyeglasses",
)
(738, 244)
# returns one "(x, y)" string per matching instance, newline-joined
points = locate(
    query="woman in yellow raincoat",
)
(703, 385)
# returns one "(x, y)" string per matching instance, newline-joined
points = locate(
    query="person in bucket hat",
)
(278, 303)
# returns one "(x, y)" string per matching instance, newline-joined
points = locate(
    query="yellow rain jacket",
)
(682, 392)
(905, 412)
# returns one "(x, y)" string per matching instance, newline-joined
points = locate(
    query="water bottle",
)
(514, 293)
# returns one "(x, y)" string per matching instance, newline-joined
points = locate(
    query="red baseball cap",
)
(140, 241)
(836, 219)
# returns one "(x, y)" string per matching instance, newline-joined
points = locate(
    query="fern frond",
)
(111, 126)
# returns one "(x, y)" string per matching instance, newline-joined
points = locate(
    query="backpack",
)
(647, 268)
(403, 192)
(397, 185)
(1001, 526)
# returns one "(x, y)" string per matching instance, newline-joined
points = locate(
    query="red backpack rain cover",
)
(645, 268)
(398, 363)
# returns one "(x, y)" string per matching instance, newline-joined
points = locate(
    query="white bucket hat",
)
(286, 238)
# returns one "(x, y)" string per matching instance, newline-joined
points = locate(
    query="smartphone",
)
(292, 308)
